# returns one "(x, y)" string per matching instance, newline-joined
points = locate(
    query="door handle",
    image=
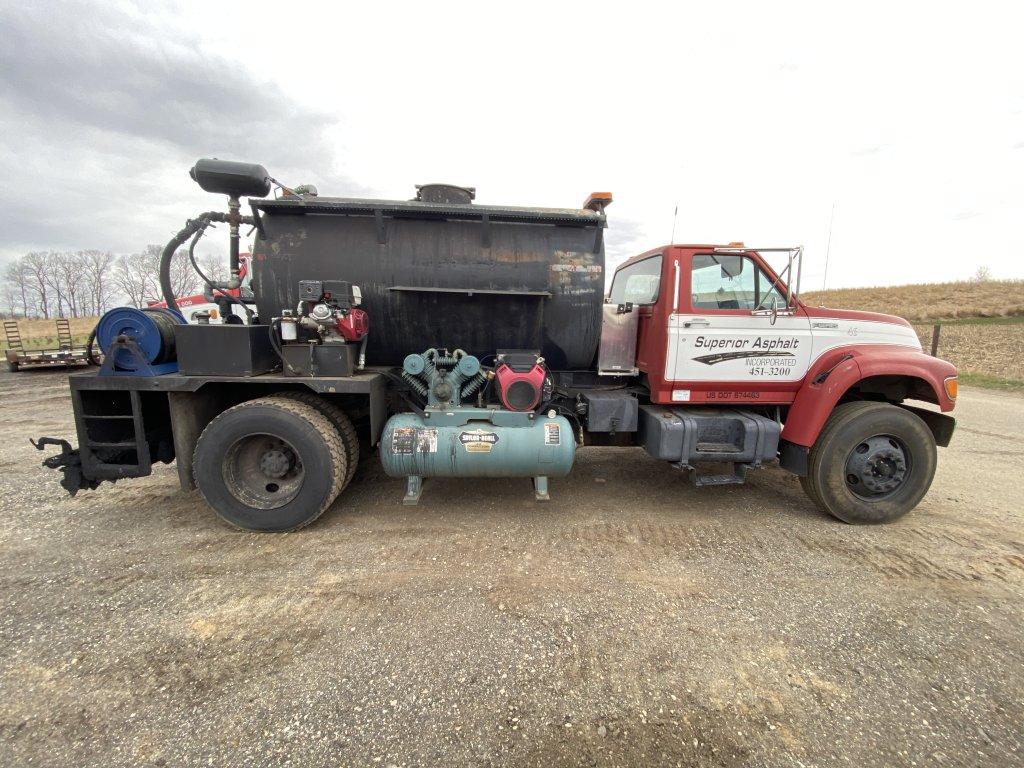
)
(697, 321)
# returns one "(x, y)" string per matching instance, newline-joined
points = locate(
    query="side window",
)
(638, 283)
(719, 281)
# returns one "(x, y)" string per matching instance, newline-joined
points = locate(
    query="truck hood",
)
(855, 314)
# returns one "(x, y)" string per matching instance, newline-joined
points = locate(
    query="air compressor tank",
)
(477, 277)
(518, 446)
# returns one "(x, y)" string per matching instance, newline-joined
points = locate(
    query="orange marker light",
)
(598, 201)
(951, 387)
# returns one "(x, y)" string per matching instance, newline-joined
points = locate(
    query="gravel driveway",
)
(632, 620)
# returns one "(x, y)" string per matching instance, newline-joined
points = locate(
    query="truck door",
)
(734, 327)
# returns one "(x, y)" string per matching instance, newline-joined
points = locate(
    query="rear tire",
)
(12, 367)
(341, 422)
(271, 464)
(872, 463)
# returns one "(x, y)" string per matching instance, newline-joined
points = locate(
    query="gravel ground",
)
(633, 620)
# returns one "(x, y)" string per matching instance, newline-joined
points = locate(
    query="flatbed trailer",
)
(66, 354)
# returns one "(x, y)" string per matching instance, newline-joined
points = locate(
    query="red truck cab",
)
(718, 327)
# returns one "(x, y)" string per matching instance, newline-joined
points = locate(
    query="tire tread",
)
(320, 423)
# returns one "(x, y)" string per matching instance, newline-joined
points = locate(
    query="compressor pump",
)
(450, 439)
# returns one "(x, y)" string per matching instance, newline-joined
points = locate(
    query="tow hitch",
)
(68, 461)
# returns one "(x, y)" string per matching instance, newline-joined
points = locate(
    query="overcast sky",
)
(755, 119)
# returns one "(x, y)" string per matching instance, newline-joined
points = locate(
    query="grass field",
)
(931, 301)
(982, 323)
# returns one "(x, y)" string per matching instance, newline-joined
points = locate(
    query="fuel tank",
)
(447, 274)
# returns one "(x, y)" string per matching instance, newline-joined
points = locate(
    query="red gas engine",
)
(520, 376)
(354, 325)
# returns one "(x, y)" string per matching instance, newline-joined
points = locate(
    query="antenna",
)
(675, 215)
(828, 248)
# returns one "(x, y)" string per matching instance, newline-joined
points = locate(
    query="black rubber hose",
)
(273, 328)
(191, 227)
(164, 320)
(208, 282)
(90, 358)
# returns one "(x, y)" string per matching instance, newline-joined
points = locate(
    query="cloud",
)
(868, 151)
(623, 238)
(105, 108)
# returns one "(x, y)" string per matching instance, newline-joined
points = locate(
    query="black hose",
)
(191, 227)
(90, 358)
(273, 329)
(164, 320)
(208, 281)
(202, 221)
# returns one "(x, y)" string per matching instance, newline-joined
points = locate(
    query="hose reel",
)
(138, 342)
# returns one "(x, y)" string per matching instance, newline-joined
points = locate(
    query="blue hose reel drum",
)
(138, 342)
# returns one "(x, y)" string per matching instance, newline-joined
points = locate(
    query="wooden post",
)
(935, 339)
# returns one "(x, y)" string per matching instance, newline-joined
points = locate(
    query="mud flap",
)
(68, 461)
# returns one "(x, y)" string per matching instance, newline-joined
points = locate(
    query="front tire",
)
(271, 464)
(872, 463)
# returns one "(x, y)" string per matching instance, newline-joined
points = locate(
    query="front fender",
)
(837, 371)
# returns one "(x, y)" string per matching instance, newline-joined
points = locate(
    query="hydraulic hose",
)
(191, 227)
(208, 282)
(90, 357)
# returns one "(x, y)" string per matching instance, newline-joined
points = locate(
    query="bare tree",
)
(10, 300)
(184, 279)
(16, 277)
(97, 267)
(214, 267)
(134, 275)
(37, 270)
(68, 281)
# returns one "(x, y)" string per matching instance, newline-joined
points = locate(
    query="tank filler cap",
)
(445, 194)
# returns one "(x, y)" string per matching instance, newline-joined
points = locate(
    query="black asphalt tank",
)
(456, 275)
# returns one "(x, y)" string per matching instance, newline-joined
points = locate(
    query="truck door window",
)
(638, 283)
(720, 281)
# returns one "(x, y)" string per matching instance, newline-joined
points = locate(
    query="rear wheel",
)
(271, 464)
(341, 422)
(12, 367)
(872, 463)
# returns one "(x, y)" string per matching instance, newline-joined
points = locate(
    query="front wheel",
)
(872, 463)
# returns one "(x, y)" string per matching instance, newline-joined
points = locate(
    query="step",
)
(702, 480)
(718, 448)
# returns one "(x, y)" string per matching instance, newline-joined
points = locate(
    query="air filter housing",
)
(520, 378)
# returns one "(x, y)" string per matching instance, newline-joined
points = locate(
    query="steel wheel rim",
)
(877, 467)
(263, 471)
